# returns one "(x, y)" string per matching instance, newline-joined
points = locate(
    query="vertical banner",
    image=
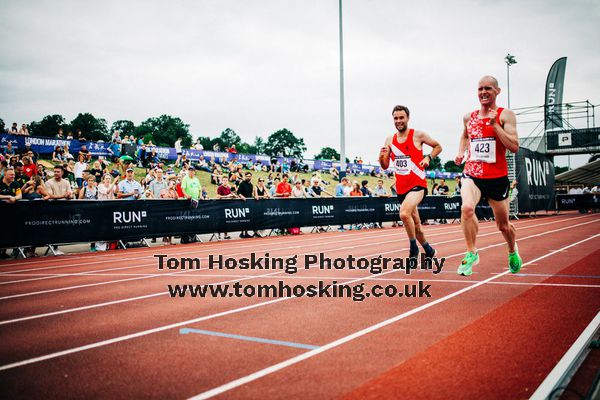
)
(535, 181)
(554, 95)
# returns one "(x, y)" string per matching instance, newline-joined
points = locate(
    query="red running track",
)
(104, 326)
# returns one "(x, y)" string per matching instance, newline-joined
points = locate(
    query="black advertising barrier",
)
(535, 181)
(578, 201)
(40, 223)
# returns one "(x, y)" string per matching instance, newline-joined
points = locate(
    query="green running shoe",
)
(466, 266)
(514, 261)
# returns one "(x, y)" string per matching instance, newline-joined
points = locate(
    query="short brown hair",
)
(401, 108)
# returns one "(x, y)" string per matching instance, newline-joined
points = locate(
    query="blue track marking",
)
(248, 338)
(561, 276)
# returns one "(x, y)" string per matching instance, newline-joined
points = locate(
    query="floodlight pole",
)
(342, 117)
(510, 60)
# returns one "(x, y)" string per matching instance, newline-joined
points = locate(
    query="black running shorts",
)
(401, 197)
(495, 188)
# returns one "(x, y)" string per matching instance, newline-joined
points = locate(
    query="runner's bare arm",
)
(464, 142)
(507, 132)
(384, 153)
(423, 137)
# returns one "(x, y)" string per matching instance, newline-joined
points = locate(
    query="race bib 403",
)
(401, 165)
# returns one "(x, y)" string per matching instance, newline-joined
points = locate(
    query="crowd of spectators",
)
(81, 176)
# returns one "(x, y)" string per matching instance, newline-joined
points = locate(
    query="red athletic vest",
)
(482, 162)
(405, 159)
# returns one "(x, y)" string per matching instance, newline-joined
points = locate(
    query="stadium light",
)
(342, 117)
(509, 60)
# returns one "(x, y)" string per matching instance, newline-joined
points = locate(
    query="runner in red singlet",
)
(405, 150)
(488, 133)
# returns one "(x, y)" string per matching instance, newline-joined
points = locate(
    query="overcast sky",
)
(259, 66)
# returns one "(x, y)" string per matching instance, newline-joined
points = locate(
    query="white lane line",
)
(258, 276)
(331, 345)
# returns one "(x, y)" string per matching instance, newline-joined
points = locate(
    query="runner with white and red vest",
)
(405, 150)
(488, 132)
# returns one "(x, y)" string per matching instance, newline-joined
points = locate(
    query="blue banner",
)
(45, 145)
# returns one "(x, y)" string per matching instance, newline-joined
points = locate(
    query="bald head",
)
(489, 80)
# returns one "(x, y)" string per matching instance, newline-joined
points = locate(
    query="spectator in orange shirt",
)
(356, 189)
(284, 189)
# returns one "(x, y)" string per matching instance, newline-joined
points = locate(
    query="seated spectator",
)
(202, 165)
(9, 150)
(80, 136)
(365, 189)
(69, 174)
(273, 188)
(198, 145)
(334, 173)
(284, 189)
(216, 174)
(170, 193)
(24, 130)
(190, 185)
(66, 154)
(129, 188)
(158, 184)
(458, 186)
(85, 152)
(41, 171)
(29, 168)
(107, 189)
(379, 190)
(317, 191)
(60, 134)
(298, 191)
(435, 189)
(59, 188)
(224, 190)
(10, 191)
(97, 171)
(89, 191)
(443, 189)
(341, 188)
(20, 176)
(14, 130)
(355, 192)
(35, 189)
(58, 155)
(260, 191)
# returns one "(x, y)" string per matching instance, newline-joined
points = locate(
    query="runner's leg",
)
(470, 195)
(500, 209)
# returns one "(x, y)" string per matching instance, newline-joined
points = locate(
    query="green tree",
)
(436, 163)
(164, 131)
(327, 153)
(48, 126)
(450, 166)
(2, 125)
(92, 128)
(259, 145)
(124, 126)
(229, 137)
(206, 142)
(286, 143)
